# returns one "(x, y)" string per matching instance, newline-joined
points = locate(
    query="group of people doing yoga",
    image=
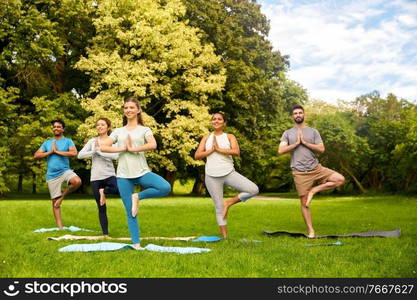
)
(129, 143)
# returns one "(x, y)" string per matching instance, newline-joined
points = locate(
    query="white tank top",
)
(218, 164)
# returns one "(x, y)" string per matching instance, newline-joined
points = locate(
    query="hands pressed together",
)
(300, 137)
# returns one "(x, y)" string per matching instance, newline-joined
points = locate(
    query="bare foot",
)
(102, 197)
(57, 202)
(137, 246)
(226, 204)
(311, 235)
(309, 198)
(223, 231)
(135, 204)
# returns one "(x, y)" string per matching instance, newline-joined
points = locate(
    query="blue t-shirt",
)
(57, 164)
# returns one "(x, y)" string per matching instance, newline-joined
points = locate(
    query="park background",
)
(77, 60)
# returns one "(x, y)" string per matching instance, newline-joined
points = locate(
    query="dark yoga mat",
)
(394, 233)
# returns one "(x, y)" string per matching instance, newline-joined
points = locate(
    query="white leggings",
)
(235, 180)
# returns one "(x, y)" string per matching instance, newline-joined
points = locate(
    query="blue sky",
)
(341, 49)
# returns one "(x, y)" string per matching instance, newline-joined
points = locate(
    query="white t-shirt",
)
(219, 164)
(131, 164)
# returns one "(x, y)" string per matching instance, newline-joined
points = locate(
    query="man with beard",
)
(57, 150)
(302, 141)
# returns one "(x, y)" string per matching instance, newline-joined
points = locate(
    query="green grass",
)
(24, 253)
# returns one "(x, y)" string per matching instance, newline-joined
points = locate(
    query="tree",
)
(40, 42)
(405, 154)
(148, 51)
(8, 115)
(385, 123)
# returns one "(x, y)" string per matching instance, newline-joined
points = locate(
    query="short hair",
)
(297, 106)
(58, 121)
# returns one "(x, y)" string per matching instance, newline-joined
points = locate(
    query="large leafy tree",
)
(40, 42)
(257, 94)
(387, 124)
(145, 49)
(405, 154)
(8, 114)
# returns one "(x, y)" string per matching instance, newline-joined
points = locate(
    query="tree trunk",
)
(20, 183)
(33, 183)
(360, 186)
(170, 177)
(198, 187)
(373, 180)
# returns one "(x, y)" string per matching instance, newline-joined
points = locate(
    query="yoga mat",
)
(338, 243)
(250, 241)
(71, 228)
(106, 246)
(382, 233)
(184, 238)
(102, 237)
(205, 238)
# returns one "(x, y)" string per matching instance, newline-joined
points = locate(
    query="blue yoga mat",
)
(107, 246)
(205, 238)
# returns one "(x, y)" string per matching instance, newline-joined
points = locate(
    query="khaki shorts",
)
(55, 185)
(304, 181)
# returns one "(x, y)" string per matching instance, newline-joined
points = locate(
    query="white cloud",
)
(343, 49)
(407, 20)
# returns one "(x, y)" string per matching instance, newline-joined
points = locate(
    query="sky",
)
(342, 49)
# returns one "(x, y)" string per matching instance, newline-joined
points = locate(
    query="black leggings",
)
(110, 187)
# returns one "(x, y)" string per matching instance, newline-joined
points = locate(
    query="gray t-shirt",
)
(101, 162)
(302, 157)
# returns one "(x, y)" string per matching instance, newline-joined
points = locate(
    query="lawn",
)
(24, 253)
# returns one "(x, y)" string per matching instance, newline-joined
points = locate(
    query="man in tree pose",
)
(57, 150)
(302, 141)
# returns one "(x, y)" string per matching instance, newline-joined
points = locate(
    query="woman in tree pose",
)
(132, 140)
(218, 148)
(103, 175)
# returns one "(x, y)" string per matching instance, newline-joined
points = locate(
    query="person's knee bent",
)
(75, 181)
(254, 190)
(165, 188)
(337, 178)
(342, 180)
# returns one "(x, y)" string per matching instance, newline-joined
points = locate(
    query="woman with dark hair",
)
(103, 175)
(132, 140)
(218, 148)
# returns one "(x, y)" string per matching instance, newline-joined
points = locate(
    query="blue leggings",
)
(156, 187)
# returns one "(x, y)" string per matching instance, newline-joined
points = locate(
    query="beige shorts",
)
(55, 185)
(304, 181)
